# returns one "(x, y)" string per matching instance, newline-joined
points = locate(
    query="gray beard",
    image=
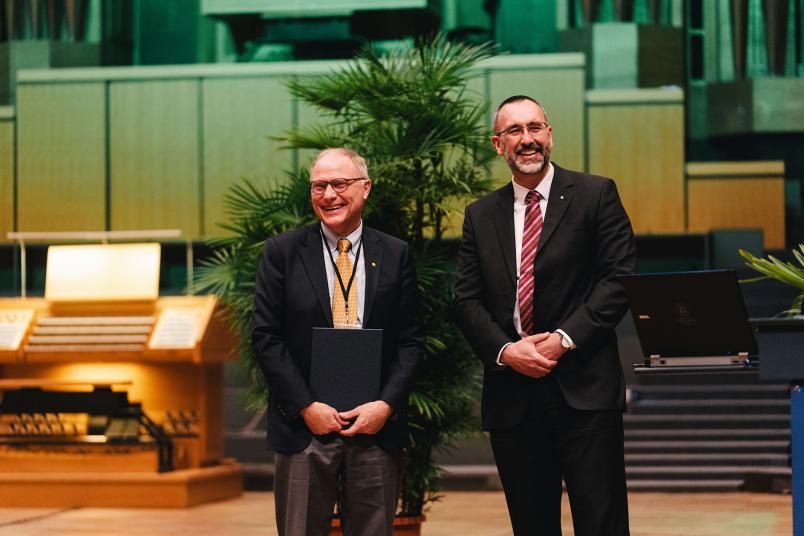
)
(530, 168)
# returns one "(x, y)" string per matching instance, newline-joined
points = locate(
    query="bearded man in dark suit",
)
(297, 289)
(538, 299)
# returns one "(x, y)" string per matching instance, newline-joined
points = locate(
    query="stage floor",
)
(458, 514)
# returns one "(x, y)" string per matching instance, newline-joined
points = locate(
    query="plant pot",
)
(403, 526)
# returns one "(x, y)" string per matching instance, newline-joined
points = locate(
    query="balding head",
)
(512, 99)
(357, 160)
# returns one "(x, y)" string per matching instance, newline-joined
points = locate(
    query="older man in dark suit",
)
(538, 298)
(300, 285)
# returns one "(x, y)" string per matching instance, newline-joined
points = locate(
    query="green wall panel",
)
(61, 157)
(240, 117)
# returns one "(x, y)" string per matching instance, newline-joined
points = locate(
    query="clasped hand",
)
(368, 418)
(535, 355)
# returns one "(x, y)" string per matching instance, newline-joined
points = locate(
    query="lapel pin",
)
(562, 197)
(373, 264)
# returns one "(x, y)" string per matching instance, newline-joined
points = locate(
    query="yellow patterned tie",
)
(344, 314)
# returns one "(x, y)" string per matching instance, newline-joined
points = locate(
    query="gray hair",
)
(357, 160)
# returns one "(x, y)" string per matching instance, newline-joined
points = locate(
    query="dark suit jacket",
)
(292, 297)
(586, 243)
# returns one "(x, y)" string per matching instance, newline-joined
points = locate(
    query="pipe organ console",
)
(110, 394)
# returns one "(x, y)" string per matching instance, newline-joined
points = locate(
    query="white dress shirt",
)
(520, 192)
(330, 246)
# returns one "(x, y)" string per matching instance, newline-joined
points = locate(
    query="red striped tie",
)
(530, 240)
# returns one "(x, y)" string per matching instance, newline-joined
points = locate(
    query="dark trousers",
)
(306, 487)
(555, 441)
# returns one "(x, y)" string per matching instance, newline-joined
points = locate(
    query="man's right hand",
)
(523, 357)
(322, 419)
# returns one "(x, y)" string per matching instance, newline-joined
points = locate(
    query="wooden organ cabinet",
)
(111, 395)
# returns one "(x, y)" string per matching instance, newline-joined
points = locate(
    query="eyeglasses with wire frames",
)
(339, 185)
(518, 130)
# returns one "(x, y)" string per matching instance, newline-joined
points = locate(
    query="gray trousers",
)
(306, 487)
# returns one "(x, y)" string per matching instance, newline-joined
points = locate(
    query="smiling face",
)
(527, 153)
(340, 211)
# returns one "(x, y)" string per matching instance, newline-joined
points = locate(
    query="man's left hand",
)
(369, 418)
(550, 347)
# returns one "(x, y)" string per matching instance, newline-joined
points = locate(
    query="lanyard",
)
(344, 289)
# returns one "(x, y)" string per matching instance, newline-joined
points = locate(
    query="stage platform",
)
(458, 514)
(176, 489)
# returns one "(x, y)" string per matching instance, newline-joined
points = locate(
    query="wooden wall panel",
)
(559, 88)
(738, 195)
(179, 136)
(307, 116)
(240, 115)
(61, 152)
(6, 177)
(476, 90)
(154, 131)
(638, 140)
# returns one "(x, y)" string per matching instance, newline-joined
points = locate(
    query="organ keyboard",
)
(93, 384)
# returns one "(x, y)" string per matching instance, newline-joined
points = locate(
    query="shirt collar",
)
(332, 237)
(543, 187)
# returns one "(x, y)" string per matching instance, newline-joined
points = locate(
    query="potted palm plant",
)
(411, 116)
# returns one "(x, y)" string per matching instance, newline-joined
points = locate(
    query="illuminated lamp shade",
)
(110, 272)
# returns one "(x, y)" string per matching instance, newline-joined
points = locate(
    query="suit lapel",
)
(504, 224)
(559, 200)
(312, 255)
(372, 251)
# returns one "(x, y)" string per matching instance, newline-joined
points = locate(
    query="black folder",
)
(345, 367)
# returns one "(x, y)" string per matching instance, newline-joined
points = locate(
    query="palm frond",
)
(786, 272)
